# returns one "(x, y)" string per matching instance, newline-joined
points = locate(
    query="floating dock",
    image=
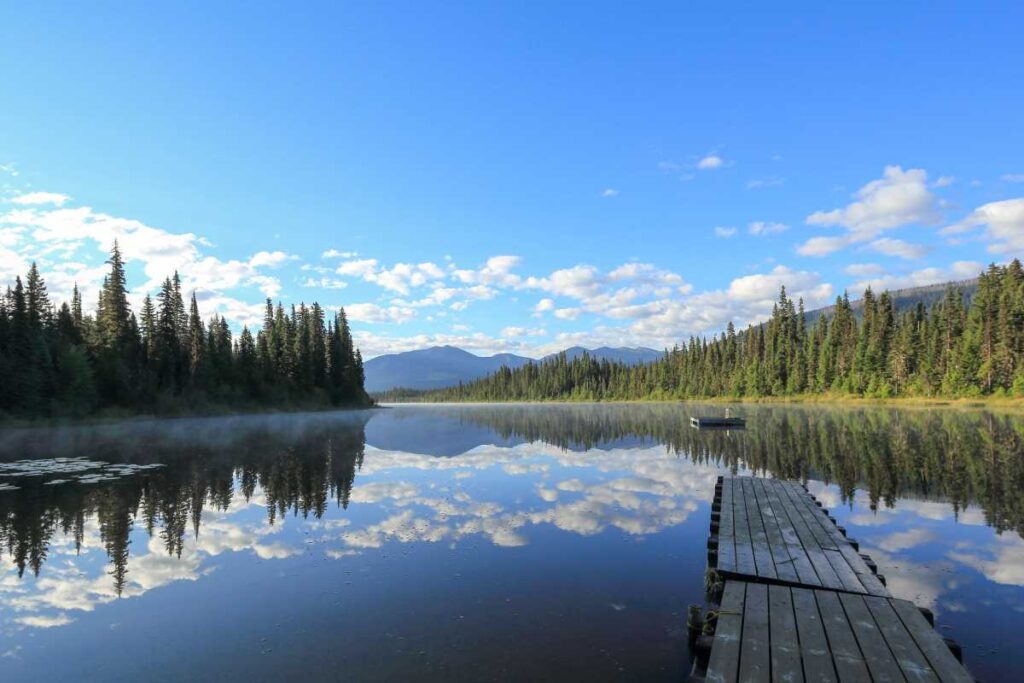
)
(794, 600)
(774, 530)
(697, 421)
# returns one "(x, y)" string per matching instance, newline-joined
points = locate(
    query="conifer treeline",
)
(60, 361)
(948, 350)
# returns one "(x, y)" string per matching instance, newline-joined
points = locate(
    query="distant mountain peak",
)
(436, 367)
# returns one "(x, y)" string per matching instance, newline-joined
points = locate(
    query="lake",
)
(482, 542)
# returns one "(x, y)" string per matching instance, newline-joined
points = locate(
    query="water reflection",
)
(186, 469)
(90, 515)
(958, 457)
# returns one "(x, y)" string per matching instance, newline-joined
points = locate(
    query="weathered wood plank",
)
(726, 530)
(745, 563)
(826, 575)
(814, 649)
(800, 561)
(755, 659)
(829, 536)
(786, 633)
(817, 521)
(784, 568)
(763, 559)
(846, 654)
(908, 655)
(880, 660)
(851, 580)
(931, 644)
(783, 640)
(723, 664)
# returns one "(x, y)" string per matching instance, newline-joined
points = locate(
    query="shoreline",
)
(1000, 404)
(1008, 404)
(110, 419)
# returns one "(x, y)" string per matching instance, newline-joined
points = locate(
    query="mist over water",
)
(485, 542)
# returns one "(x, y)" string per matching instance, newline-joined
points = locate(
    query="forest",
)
(61, 362)
(950, 349)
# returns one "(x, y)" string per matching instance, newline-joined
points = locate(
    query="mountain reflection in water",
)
(92, 514)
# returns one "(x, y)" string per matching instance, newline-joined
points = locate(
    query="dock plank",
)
(784, 643)
(799, 603)
(763, 559)
(723, 665)
(805, 573)
(846, 654)
(745, 563)
(908, 655)
(755, 656)
(784, 568)
(726, 530)
(814, 648)
(815, 520)
(771, 632)
(931, 644)
(829, 534)
(873, 646)
(826, 575)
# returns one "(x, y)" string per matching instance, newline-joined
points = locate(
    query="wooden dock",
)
(783, 633)
(793, 600)
(773, 530)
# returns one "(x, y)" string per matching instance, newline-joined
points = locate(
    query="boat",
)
(701, 421)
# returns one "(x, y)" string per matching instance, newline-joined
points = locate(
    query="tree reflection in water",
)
(304, 464)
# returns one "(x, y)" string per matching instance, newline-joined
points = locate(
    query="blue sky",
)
(514, 177)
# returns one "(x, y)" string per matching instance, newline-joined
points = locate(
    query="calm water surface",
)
(468, 542)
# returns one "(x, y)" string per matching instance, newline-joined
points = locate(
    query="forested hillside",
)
(61, 361)
(948, 349)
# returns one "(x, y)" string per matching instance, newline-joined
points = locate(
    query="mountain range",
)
(445, 366)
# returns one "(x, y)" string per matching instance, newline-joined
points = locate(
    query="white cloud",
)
(898, 198)
(577, 282)
(45, 621)
(513, 331)
(863, 269)
(1003, 222)
(763, 287)
(568, 313)
(944, 181)
(325, 283)
(372, 313)
(401, 277)
(364, 268)
(334, 253)
(272, 259)
(766, 228)
(894, 247)
(724, 232)
(607, 294)
(711, 161)
(1012, 177)
(1006, 566)
(59, 237)
(496, 271)
(609, 192)
(544, 305)
(823, 246)
(959, 270)
(33, 198)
